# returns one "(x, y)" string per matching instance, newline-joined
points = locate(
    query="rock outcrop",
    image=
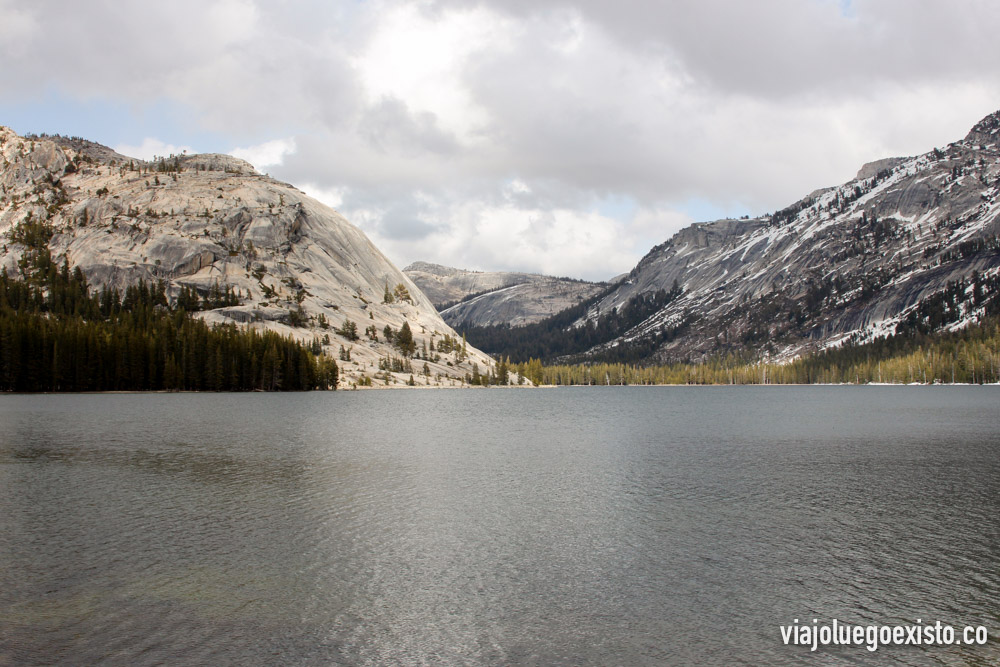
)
(477, 298)
(848, 262)
(201, 221)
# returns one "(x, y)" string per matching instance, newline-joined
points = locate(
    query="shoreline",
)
(443, 387)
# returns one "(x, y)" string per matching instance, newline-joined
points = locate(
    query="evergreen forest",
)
(970, 355)
(56, 334)
(555, 337)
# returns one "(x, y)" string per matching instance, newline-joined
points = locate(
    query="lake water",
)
(587, 526)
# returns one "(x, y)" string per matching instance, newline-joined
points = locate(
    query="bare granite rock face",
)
(205, 220)
(870, 169)
(477, 298)
(848, 262)
(522, 304)
(986, 132)
(445, 285)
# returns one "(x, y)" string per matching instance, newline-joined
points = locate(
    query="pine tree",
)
(401, 293)
(348, 330)
(404, 340)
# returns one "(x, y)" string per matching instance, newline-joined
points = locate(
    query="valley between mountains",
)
(909, 246)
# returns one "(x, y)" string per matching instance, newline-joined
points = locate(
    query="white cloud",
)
(506, 235)
(150, 148)
(418, 57)
(232, 21)
(332, 197)
(489, 134)
(17, 30)
(268, 154)
(657, 225)
(516, 187)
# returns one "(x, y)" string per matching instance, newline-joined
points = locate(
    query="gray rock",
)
(521, 304)
(206, 220)
(883, 244)
(477, 298)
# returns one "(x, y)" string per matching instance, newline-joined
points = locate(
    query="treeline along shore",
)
(968, 356)
(57, 334)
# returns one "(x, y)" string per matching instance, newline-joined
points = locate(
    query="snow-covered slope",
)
(847, 262)
(204, 220)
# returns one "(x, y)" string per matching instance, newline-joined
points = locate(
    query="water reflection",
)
(599, 526)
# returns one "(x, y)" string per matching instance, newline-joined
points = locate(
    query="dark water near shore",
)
(631, 526)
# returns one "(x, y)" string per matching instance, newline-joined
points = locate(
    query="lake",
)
(574, 526)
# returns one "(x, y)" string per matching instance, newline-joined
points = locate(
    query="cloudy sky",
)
(560, 137)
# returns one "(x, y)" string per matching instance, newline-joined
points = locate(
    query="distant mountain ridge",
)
(474, 298)
(445, 285)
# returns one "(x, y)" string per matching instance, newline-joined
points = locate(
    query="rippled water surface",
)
(631, 526)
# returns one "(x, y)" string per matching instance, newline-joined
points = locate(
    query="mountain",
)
(908, 245)
(211, 225)
(474, 298)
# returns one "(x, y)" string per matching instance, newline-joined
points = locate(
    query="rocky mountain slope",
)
(207, 222)
(474, 298)
(910, 242)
